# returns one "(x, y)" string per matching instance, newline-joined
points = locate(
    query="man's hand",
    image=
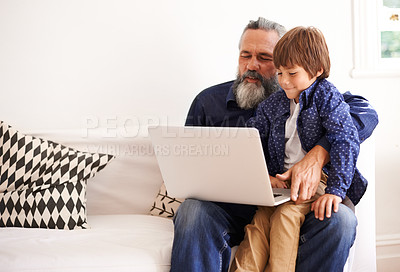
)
(276, 183)
(306, 174)
(324, 205)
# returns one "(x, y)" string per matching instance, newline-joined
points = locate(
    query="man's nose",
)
(253, 64)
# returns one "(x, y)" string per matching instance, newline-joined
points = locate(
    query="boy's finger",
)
(321, 210)
(329, 208)
(336, 206)
(285, 176)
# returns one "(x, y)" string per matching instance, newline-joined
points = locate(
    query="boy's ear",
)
(320, 72)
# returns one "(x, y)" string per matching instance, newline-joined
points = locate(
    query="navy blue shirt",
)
(216, 106)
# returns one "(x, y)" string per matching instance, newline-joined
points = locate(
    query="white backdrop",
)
(101, 64)
(71, 64)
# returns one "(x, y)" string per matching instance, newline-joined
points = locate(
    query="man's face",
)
(256, 78)
(256, 50)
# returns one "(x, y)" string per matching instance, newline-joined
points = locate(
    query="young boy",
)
(291, 122)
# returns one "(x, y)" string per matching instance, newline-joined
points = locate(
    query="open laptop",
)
(216, 164)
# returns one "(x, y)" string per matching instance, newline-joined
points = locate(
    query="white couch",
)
(123, 236)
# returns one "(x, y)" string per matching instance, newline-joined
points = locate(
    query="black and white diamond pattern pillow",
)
(57, 207)
(42, 183)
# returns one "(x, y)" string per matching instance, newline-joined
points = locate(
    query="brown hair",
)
(305, 47)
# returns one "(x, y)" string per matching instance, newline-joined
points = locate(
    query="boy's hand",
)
(324, 205)
(276, 183)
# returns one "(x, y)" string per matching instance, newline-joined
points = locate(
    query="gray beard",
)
(249, 95)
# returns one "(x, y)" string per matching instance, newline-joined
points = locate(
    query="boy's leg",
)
(253, 251)
(285, 232)
(202, 232)
(284, 235)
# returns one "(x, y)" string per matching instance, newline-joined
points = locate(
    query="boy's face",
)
(294, 80)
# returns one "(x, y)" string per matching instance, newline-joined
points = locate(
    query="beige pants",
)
(272, 239)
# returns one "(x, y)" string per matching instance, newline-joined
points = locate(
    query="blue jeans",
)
(325, 245)
(205, 233)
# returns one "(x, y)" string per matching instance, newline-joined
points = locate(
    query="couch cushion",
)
(43, 183)
(113, 243)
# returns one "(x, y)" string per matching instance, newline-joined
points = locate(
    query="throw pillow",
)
(43, 183)
(165, 205)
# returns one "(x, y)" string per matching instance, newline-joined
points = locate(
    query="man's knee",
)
(192, 213)
(331, 237)
(344, 218)
(341, 225)
(344, 222)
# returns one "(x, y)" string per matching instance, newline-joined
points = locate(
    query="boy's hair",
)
(305, 47)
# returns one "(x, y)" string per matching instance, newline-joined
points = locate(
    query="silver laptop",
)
(215, 164)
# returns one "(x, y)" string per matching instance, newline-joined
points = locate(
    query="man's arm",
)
(365, 118)
(195, 116)
(306, 174)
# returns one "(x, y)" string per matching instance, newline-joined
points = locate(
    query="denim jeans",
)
(203, 235)
(325, 245)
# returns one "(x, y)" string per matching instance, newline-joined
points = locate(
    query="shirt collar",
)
(305, 95)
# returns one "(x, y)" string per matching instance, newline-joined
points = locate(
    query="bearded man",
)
(204, 231)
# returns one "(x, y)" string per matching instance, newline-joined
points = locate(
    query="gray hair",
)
(266, 25)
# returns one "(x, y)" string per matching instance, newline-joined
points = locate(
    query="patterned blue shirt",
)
(216, 106)
(323, 111)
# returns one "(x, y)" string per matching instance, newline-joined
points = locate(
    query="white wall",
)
(63, 62)
(96, 63)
